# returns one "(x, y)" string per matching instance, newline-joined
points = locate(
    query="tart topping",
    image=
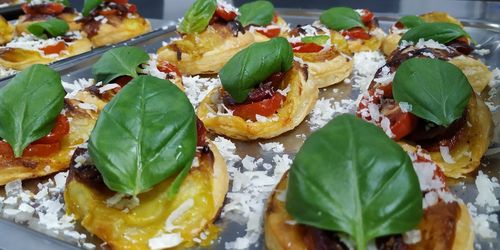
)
(353, 24)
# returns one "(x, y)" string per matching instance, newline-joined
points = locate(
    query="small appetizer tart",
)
(271, 97)
(158, 187)
(41, 140)
(411, 100)
(117, 67)
(359, 27)
(210, 36)
(43, 10)
(323, 53)
(112, 21)
(6, 31)
(261, 19)
(48, 41)
(433, 31)
(368, 193)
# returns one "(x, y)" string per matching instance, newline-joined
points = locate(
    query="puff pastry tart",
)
(458, 136)
(176, 196)
(44, 10)
(261, 19)
(113, 21)
(439, 220)
(361, 32)
(263, 94)
(52, 126)
(210, 35)
(323, 52)
(407, 22)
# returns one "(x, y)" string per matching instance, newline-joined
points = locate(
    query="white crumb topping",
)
(445, 153)
(164, 241)
(197, 87)
(366, 65)
(275, 147)
(326, 109)
(78, 85)
(485, 187)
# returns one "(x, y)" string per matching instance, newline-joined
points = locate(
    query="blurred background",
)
(484, 10)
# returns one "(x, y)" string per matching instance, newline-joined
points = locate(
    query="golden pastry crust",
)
(359, 45)
(390, 44)
(6, 31)
(23, 22)
(81, 124)
(477, 72)
(206, 185)
(283, 33)
(473, 144)
(298, 104)
(280, 234)
(19, 59)
(329, 71)
(206, 52)
(118, 30)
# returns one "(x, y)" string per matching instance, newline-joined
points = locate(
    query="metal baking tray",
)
(15, 237)
(11, 12)
(159, 27)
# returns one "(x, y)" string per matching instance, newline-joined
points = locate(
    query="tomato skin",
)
(402, 123)
(54, 49)
(6, 150)
(265, 107)
(275, 17)
(367, 16)
(46, 8)
(357, 33)
(167, 67)
(270, 32)
(132, 8)
(301, 47)
(60, 130)
(227, 16)
(41, 150)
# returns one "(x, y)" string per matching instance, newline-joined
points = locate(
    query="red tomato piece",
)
(270, 32)
(402, 123)
(167, 67)
(6, 149)
(41, 150)
(357, 33)
(54, 49)
(301, 47)
(132, 8)
(367, 16)
(265, 107)
(46, 8)
(226, 15)
(60, 130)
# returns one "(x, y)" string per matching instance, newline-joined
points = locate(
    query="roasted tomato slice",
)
(167, 67)
(60, 130)
(201, 133)
(402, 123)
(123, 80)
(367, 16)
(357, 33)
(6, 149)
(301, 47)
(46, 8)
(270, 32)
(110, 12)
(226, 15)
(265, 107)
(54, 49)
(42, 150)
(132, 8)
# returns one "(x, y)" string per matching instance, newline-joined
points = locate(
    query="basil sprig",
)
(29, 105)
(198, 16)
(146, 134)
(116, 62)
(341, 18)
(437, 90)
(90, 5)
(251, 66)
(259, 13)
(51, 28)
(319, 40)
(350, 177)
(439, 32)
(411, 21)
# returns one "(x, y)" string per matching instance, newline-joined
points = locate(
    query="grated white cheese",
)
(326, 109)
(197, 87)
(486, 187)
(176, 214)
(412, 237)
(366, 65)
(275, 147)
(405, 107)
(165, 241)
(78, 85)
(482, 52)
(445, 153)
(107, 87)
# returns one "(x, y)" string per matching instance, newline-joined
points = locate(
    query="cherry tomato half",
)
(54, 49)
(301, 47)
(270, 32)
(402, 123)
(226, 15)
(357, 33)
(265, 107)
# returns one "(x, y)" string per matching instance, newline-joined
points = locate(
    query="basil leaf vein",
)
(147, 133)
(437, 91)
(439, 32)
(255, 64)
(259, 13)
(122, 61)
(341, 18)
(90, 5)
(198, 16)
(350, 177)
(29, 105)
(50, 28)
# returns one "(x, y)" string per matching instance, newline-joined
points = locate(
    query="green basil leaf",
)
(251, 66)
(437, 90)
(319, 40)
(411, 21)
(198, 16)
(350, 177)
(259, 13)
(147, 133)
(50, 28)
(90, 5)
(121, 61)
(29, 105)
(341, 18)
(439, 32)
